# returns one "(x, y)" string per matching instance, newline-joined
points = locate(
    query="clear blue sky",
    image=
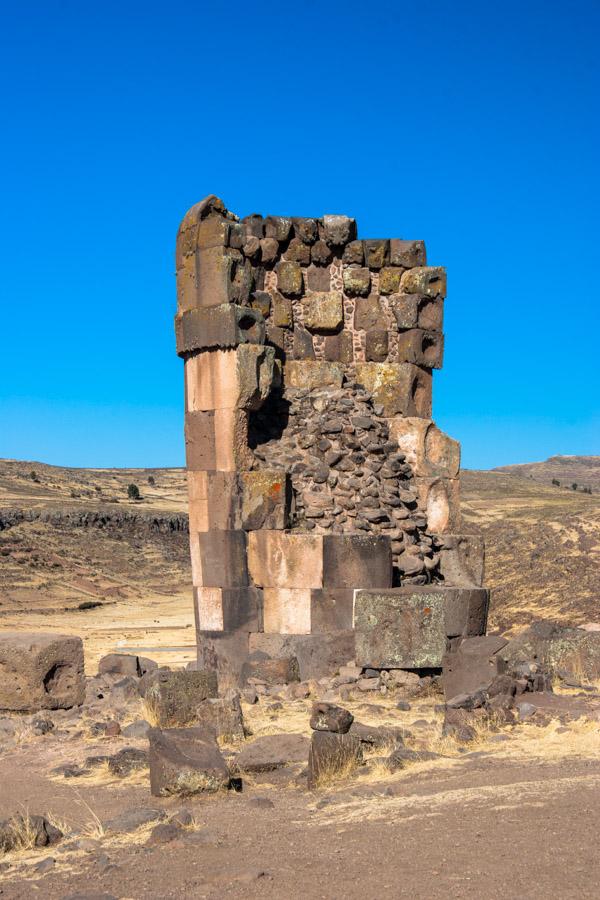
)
(472, 125)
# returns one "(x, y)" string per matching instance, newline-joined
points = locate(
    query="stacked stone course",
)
(314, 468)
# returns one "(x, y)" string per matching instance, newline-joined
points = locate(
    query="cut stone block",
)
(40, 671)
(224, 652)
(399, 629)
(338, 230)
(200, 452)
(218, 327)
(401, 388)
(223, 558)
(376, 253)
(354, 254)
(331, 609)
(439, 499)
(407, 253)
(285, 560)
(228, 609)
(339, 348)
(281, 670)
(332, 755)
(427, 280)
(217, 441)
(428, 451)
(266, 497)
(318, 278)
(320, 253)
(185, 761)
(357, 281)
(240, 378)
(287, 610)
(376, 346)
(323, 311)
(431, 313)
(357, 561)
(405, 308)
(311, 374)
(306, 229)
(389, 280)
(474, 665)
(303, 344)
(423, 348)
(298, 251)
(278, 227)
(222, 716)
(462, 559)
(282, 313)
(289, 278)
(318, 655)
(174, 696)
(369, 314)
(466, 609)
(272, 751)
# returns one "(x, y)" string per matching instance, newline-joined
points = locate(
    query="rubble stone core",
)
(319, 486)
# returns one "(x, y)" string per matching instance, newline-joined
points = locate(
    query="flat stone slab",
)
(399, 629)
(273, 751)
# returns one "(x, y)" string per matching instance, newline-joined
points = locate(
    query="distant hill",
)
(584, 471)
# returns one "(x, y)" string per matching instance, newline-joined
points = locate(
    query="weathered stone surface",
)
(303, 344)
(282, 315)
(323, 311)
(174, 696)
(40, 830)
(185, 761)
(332, 756)
(338, 230)
(266, 497)
(279, 670)
(474, 665)
(222, 559)
(376, 346)
(318, 278)
(399, 628)
(439, 498)
(423, 348)
(218, 326)
(557, 649)
(278, 227)
(320, 253)
(389, 280)
(405, 308)
(427, 280)
(354, 254)
(285, 560)
(462, 559)
(331, 609)
(222, 715)
(400, 388)
(228, 609)
(40, 671)
(298, 251)
(429, 451)
(125, 664)
(407, 253)
(376, 253)
(328, 717)
(287, 610)
(289, 278)
(312, 374)
(240, 378)
(368, 313)
(269, 250)
(431, 312)
(306, 229)
(357, 281)
(357, 561)
(318, 655)
(339, 348)
(272, 751)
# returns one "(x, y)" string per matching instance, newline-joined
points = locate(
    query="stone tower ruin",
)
(323, 500)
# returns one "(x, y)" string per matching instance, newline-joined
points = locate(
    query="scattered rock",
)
(327, 717)
(185, 761)
(332, 755)
(132, 819)
(127, 761)
(137, 729)
(163, 834)
(175, 696)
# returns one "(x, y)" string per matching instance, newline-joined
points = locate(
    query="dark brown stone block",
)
(223, 558)
(354, 254)
(407, 253)
(269, 250)
(474, 665)
(298, 251)
(224, 652)
(231, 609)
(357, 561)
(307, 230)
(218, 326)
(289, 278)
(338, 230)
(254, 225)
(368, 314)
(357, 281)
(328, 717)
(331, 609)
(405, 308)
(185, 761)
(462, 559)
(174, 696)
(331, 755)
(320, 254)
(376, 253)
(281, 312)
(389, 280)
(376, 346)
(339, 347)
(278, 227)
(318, 278)
(422, 348)
(431, 313)
(303, 345)
(283, 670)
(318, 654)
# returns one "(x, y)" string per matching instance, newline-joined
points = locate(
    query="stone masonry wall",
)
(314, 467)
